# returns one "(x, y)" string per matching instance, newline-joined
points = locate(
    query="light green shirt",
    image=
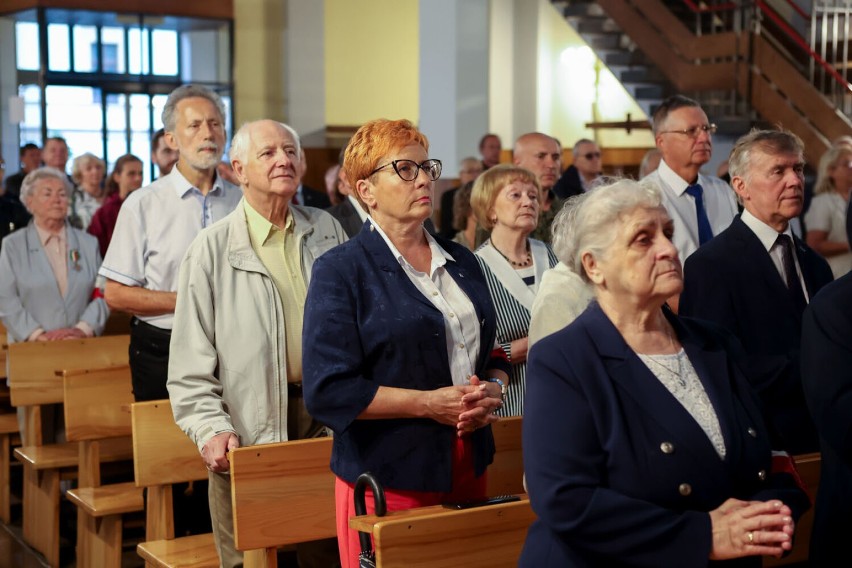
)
(278, 250)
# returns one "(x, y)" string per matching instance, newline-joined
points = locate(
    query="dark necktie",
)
(705, 233)
(791, 277)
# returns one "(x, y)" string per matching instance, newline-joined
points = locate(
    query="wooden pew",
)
(808, 466)
(283, 494)
(163, 455)
(46, 465)
(33, 368)
(4, 347)
(506, 472)
(493, 536)
(269, 479)
(8, 432)
(97, 407)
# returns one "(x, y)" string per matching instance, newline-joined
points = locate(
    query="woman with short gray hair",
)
(47, 287)
(47, 274)
(643, 442)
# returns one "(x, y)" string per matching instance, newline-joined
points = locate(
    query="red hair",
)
(375, 140)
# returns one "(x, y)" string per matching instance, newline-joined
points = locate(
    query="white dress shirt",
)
(768, 237)
(719, 202)
(460, 322)
(155, 226)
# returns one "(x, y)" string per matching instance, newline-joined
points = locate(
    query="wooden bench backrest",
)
(283, 493)
(429, 536)
(162, 453)
(33, 365)
(97, 403)
(4, 347)
(506, 473)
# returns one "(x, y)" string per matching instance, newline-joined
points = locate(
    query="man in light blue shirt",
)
(155, 226)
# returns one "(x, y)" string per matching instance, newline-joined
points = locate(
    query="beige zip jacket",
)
(227, 368)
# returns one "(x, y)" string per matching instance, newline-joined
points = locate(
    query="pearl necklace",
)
(523, 264)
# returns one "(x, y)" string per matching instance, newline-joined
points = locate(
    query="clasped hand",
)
(466, 407)
(751, 528)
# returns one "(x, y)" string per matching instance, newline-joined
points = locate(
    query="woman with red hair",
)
(397, 343)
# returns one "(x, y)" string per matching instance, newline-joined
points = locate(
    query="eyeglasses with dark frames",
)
(693, 132)
(408, 170)
(592, 155)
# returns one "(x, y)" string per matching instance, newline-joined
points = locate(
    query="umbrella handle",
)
(361, 484)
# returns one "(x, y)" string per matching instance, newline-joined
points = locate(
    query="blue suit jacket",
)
(29, 295)
(732, 281)
(827, 379)
(366, 325)
(618, 472)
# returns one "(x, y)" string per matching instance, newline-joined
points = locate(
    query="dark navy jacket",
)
(618, 472)
(366, 325)
(732, 281)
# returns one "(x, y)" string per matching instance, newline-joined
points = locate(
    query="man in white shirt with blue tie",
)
(701, 206)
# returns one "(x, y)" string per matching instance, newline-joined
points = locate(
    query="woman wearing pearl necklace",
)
(505, 200)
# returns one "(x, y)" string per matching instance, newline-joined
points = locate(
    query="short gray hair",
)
(667, 107)
(770, 142)
(240, 142)
(589, 222)
(188, 92)
(28, 185)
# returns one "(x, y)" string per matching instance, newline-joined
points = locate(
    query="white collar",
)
(764, 232)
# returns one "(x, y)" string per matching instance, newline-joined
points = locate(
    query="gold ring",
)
(750, 537)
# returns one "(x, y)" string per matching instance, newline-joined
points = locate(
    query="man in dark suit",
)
(490, 147)
(756, 278)
(30, 159)
(827, 380)
(469, 170)
(307, 195)
(582, 173)
(348, 212)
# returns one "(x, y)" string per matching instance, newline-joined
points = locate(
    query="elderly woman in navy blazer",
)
(398, 337)
(643, 444)
(48, 269)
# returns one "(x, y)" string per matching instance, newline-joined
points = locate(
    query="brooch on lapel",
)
(75, 259)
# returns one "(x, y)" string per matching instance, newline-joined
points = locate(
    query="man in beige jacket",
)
(238, 321)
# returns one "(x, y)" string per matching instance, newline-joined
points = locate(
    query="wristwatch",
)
(503, 388)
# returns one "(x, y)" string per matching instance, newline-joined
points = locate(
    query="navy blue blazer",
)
(827, 379)
(732, 281)
(366, 325)
(618, 472)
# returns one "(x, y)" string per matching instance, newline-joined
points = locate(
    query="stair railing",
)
(829, 38)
